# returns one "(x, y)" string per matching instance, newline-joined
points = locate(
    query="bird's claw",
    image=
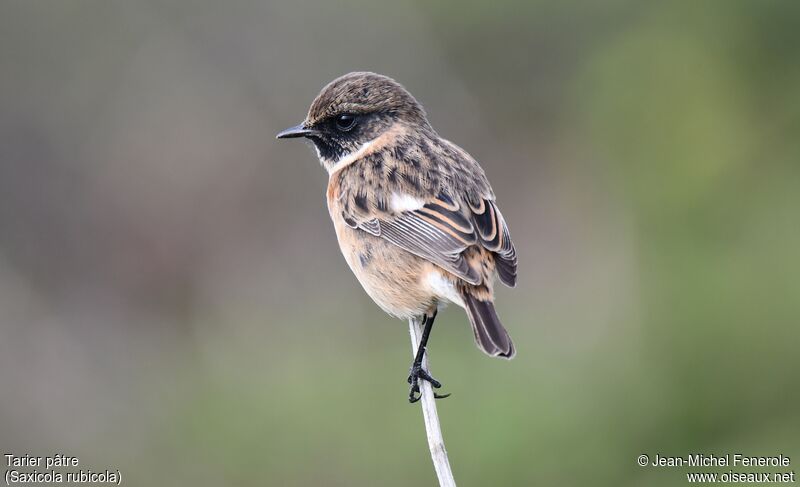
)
(416, 373)
(414, 395)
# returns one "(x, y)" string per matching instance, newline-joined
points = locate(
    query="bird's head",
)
(354, 110)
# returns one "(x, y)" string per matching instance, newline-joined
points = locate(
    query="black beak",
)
(296, 131)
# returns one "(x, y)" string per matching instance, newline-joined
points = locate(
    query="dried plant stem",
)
(435, 440)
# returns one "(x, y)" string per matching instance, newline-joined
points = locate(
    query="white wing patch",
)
(405, 202)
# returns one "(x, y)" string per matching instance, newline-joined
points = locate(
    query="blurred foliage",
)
(173, 304)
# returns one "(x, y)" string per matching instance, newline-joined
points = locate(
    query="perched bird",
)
(414, 214)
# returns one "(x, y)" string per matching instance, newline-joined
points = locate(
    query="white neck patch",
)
(348, 159)
(396, 130)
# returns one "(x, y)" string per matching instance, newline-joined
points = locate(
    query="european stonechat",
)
(414, 214)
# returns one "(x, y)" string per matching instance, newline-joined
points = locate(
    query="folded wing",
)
(442, 229)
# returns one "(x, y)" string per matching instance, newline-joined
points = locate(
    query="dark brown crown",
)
(364, 92)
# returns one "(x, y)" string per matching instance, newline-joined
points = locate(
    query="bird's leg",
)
(417, 372)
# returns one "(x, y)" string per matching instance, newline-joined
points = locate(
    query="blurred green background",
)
(173, 303)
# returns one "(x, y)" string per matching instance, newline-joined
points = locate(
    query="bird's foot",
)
(416, 374)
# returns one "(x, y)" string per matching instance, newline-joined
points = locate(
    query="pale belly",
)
(401, 283)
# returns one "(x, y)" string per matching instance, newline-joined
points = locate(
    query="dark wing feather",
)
(494, 236)
(441, 230)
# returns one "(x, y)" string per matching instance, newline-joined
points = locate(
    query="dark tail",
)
(490, 336)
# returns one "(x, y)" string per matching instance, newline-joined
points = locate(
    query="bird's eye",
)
(345, 122)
